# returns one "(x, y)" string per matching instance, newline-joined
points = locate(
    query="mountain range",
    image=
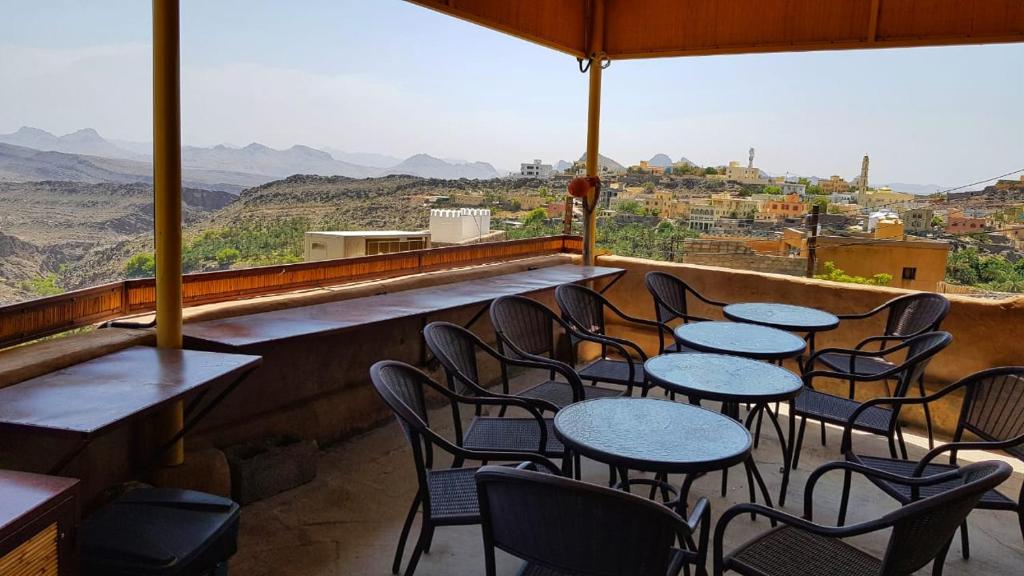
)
(31, 154)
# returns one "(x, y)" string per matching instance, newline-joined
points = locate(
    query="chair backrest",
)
(921, 529)
(526, 324)
(993, 407)
(401, 387)
(915, 313)
(582, 307)
(920, 351)
(573, 527)
(455, 348)
(669, 295)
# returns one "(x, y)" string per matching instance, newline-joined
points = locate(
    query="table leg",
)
(752, 469)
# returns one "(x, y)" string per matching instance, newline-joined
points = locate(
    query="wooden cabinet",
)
(38, 525)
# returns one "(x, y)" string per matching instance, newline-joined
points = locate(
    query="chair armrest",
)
(698, 523)
(707, 300)
(486, 455)
(789, 520)
(891, 401)
(527, 360)
(882, 339)
(620, 344)
(869, 472)
(956, 446)
(862, 315)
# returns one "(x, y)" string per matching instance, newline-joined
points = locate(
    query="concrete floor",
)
(348, 520)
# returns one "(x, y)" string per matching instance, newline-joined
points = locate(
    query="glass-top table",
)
(658, 436)
(739, 339)
(731, 380)
(782, 316)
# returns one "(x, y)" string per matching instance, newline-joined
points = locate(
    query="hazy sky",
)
(390, 77)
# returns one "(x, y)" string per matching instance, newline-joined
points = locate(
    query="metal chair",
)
(829, 408)
(457, 349)
(527, 329)
(566, 527)
(921, 530)
(584, 309)
(992, 411)
(447, 496)
(906, 317)
(669, 293)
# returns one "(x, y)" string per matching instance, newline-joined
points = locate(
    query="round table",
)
(787, 317)
(739, 339)
(658, 436)
(730, 380)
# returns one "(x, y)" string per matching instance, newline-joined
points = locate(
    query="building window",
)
(910, 273)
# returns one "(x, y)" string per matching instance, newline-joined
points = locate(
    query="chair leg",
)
(940, 559)
(421, 545)
(757, 432)
(927, 414)
(892, 447)
(823, 439)
(844, 502)
(429, 539)
(798, 446)
(405, 534)
(965, 543)
(903, 444)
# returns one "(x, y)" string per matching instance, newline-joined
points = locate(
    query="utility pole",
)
(812, 239)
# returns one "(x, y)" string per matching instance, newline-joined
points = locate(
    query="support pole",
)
(593, 128)
(167, 201)
(812, 239)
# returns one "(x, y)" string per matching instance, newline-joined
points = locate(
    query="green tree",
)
(537, 215)
(141, 266)
(710, 171)
(772, 189)
(820, 201)
(648, 187)
(837, 275)
(42, 286)
(630, 207)
(228, 256)
(813, 190)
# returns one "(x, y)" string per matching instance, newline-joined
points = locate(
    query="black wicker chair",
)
(906, 316)
(528, 329)
(457, 349)
(920, 531)
(563, 527)
(447, 496)
(669, 293)
(584, 309)
(825, 407)
(992, 411)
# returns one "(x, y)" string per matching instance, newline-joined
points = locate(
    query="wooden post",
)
(167, 201)
(812, 239)
(593, 128)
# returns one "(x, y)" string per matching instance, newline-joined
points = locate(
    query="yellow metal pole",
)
(593, 128)
(167, 200)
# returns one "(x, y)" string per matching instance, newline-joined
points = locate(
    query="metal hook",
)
(584, 69)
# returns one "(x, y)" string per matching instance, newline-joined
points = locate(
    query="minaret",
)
(863, 188)
(750, 162)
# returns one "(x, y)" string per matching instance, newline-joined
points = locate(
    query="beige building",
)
(743, 174)
(834, 185)
(914, 264)
(884, 198)
(729, 206)
(349, 244)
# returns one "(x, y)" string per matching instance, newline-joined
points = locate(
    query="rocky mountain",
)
(364, 158)
(265, 161)
(426, 166)
(660, 160)
(685, 160)
(20, 164)
(606, 163)
(85, 141)
(562, 166)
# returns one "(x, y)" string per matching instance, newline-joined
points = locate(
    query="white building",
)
(793, 188)
(349, 244)
(535, 169)
(840, 198)
(702, 217)
(459, 226)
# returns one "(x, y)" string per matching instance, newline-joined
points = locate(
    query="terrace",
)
(313, 382)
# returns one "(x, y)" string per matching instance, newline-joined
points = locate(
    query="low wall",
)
(986, 333)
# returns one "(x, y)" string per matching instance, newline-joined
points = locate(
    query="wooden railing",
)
(45, 316)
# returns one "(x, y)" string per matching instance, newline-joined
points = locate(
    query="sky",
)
(390, 77)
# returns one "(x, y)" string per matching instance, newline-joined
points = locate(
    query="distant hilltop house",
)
(329, 245)
(462, 226)
(962, 223)
(744, 174)
(884, 197)
(834, 185)
(535, 169)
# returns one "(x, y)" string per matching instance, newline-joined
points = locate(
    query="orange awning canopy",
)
(656, 28)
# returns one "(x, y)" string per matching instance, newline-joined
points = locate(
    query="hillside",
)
(47, 228)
